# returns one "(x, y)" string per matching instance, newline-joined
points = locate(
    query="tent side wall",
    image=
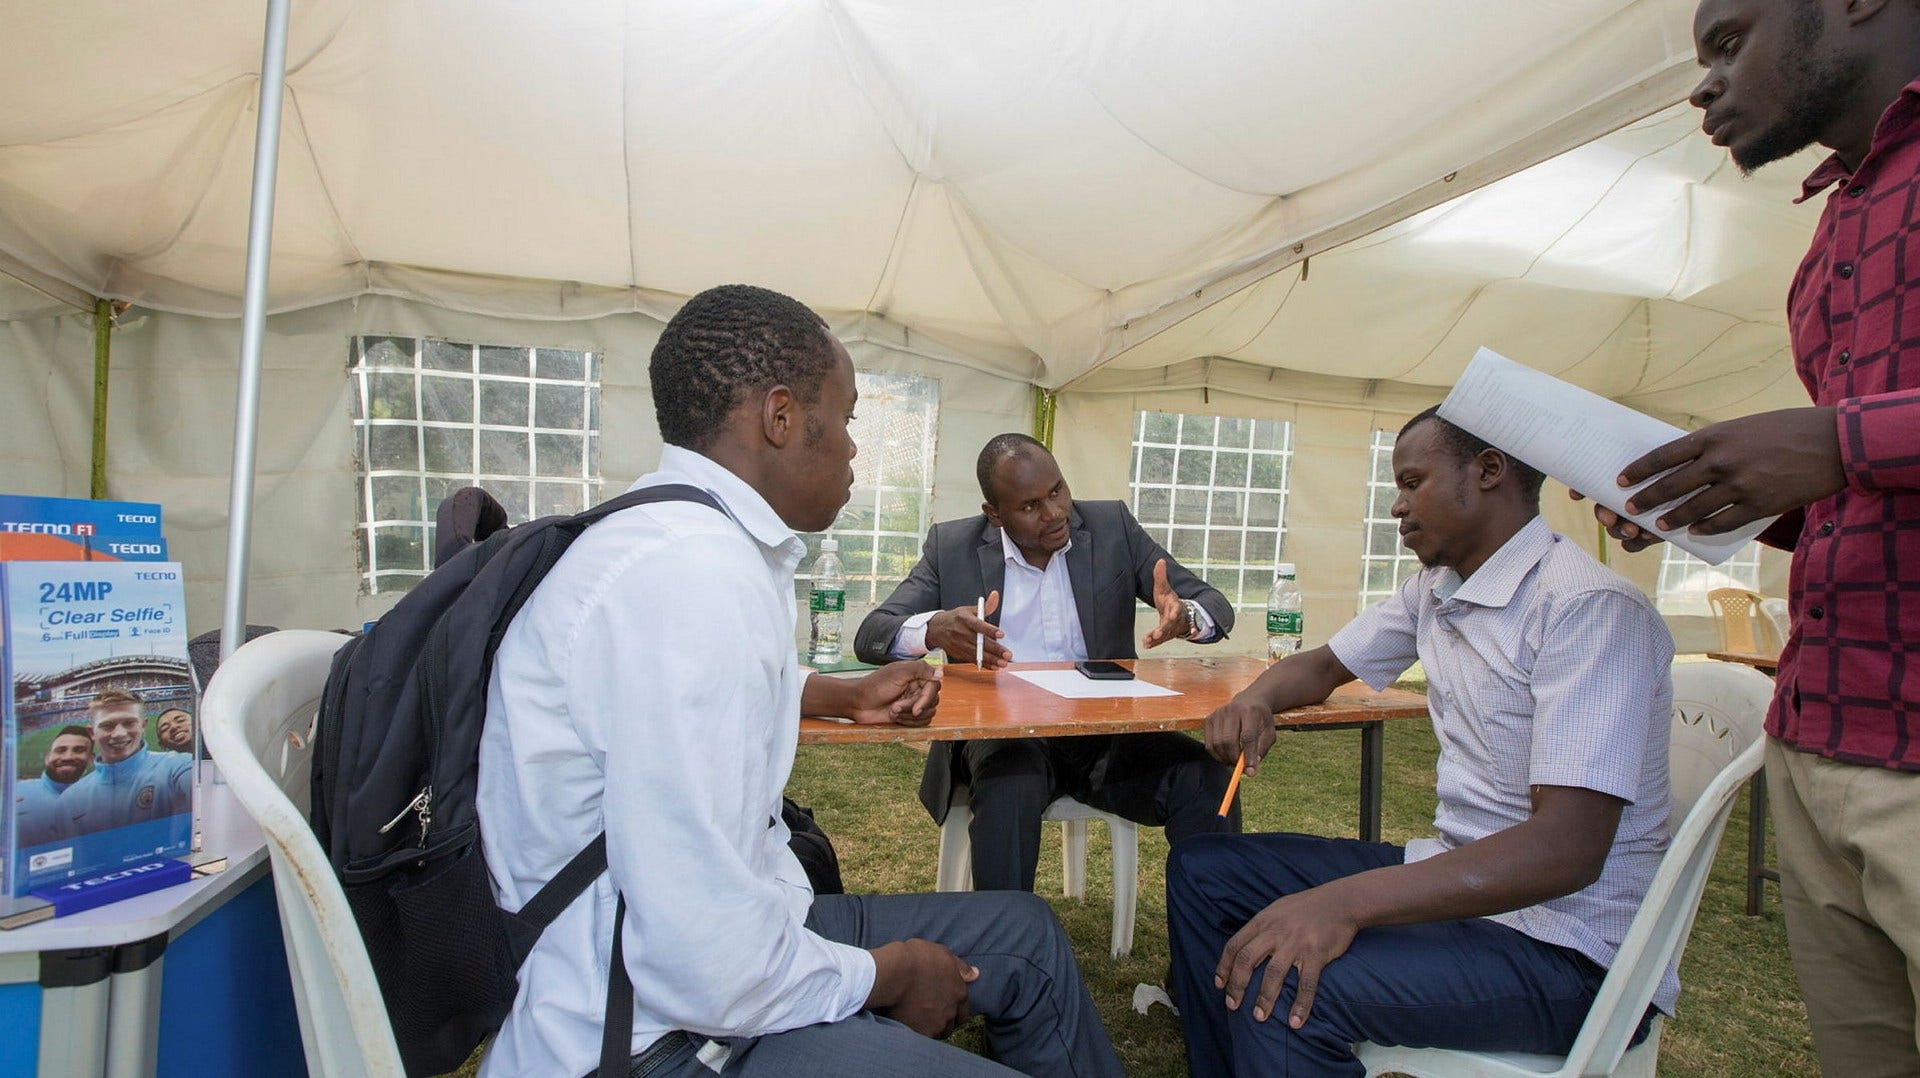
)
(170, 431)
(1326, 503)
(171, 428)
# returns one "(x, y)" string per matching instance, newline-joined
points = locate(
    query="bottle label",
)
(822, 601)
(1284, 622)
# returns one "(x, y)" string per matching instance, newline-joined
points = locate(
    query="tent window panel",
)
(1685, 580)
(433, 416)
(446, 400)
(449, 449)
(882, 526)
(396, 498)
(561, 364)
(504, 453)
(901, 511)
(1155, 465)
(385, 353)
(560, 407)
(446, 356)
(1386, 563)
(504, 403)
(517, 362)
(558, 454)
(515, 498)
(552, 498)
(1194, 467)
(1213, 490)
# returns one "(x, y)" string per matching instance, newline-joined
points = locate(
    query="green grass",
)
(1740, 1013)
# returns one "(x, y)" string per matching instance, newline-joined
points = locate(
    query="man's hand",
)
(1737, 472)
(1633, 538)
(1240, 726)
(955, 631)
(906, 693)
(921, 985)
(1305, 930)
(1173, 613)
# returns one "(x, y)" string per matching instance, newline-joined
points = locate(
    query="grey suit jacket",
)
(1110, 566)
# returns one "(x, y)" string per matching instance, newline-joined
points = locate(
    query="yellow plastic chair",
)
(1742, 624)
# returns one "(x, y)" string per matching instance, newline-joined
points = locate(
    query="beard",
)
(1818, 89)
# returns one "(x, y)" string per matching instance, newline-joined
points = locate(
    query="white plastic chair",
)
(1718, 709)
(259, 714)
(1775, 611)
(956, 857)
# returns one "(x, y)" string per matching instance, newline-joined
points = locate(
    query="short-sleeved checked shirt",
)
(1544, 668)
(1849, 685)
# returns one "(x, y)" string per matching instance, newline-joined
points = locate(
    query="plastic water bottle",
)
(827, 606)
(1284, 618)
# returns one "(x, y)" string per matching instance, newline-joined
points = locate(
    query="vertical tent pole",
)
(102, 334)
(1045, 403)
(246, 409)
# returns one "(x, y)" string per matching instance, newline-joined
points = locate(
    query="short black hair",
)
(999, 448)
(75, 730)
(724, 344)
(1466, 446)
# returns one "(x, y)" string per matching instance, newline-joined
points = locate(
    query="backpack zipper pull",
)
(426, 814)
(422, 804)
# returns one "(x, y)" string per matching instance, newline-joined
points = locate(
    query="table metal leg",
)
(74, 991)
(133, 1021)
(1373, 767)
(1757, 871)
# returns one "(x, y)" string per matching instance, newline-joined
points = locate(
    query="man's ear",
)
(780, 419)
(1859, 11)
(1493, 466)
(992, 514)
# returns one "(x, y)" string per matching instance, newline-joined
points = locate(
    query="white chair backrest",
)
(1718, 711)
(259, 716)
(1775, 612)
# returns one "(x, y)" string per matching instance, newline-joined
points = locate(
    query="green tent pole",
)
(1045, 403)
(102, 336)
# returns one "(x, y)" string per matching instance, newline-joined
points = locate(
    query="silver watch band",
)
(1194, 630)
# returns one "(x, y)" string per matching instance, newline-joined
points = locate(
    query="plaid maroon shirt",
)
(1849, 685)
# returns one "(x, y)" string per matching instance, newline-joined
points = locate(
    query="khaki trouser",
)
(1849, 839)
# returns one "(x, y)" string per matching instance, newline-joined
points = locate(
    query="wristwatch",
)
(1193, 619)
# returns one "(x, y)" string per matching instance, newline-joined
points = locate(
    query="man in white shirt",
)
(1060, 579)
(1548, 679)
(650, 688)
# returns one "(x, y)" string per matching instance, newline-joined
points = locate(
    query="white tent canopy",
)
(1111, 198)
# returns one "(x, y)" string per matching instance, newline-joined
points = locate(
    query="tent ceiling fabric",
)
(1642, 266)
(1067, 190)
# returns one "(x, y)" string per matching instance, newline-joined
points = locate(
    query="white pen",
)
(980, 639)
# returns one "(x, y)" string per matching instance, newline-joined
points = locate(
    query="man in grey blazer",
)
(1060, 580)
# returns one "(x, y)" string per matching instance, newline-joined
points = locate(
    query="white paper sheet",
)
(1074, 685)
(1580, 438)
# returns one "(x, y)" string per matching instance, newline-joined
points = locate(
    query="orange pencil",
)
(1233, 786)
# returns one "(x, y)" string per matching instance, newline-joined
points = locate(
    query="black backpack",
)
(395, 773)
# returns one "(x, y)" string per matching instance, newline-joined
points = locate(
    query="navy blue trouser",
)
(1468, 984)
(1157, 779)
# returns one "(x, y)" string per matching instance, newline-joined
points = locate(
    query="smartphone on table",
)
(1103, 670)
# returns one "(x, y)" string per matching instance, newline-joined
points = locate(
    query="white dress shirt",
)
(1544, 668)
(1037, 613)
(650, 688)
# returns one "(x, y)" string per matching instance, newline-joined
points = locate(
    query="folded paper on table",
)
(1074, 685)
(1579, 438)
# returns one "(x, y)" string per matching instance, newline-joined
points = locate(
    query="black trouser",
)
(1160, 780)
